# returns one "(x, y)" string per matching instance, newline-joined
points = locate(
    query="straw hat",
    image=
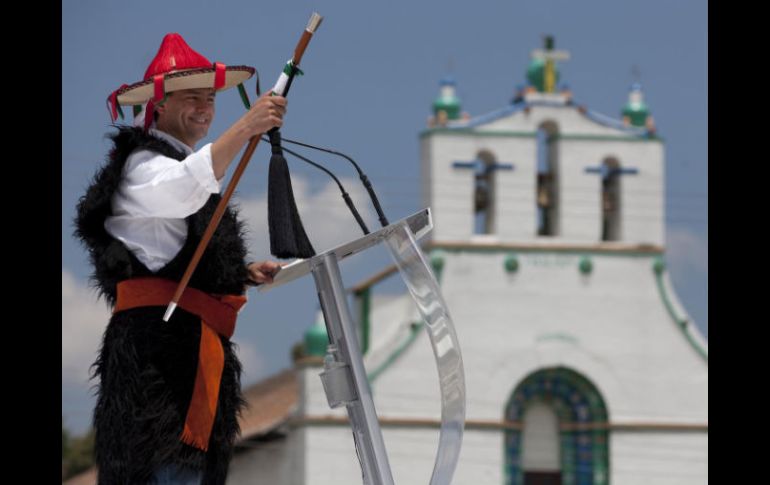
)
(176, 66)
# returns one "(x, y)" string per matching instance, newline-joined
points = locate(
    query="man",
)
(169, 393)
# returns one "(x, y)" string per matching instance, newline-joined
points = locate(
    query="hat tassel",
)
(149, 115)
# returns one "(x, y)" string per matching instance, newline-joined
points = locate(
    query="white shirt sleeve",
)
(154, 185)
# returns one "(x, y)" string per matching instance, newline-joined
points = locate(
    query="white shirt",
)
(155, 194)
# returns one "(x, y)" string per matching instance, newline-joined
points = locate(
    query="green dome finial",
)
(316, 338)
(536, 74)
(447, 100)
(542, 72)
(635, 112)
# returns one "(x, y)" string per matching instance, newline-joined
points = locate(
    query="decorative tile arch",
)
(582, 414)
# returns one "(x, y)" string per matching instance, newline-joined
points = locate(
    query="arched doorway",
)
(561, 413)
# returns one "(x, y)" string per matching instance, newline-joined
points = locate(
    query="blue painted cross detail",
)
(483, 167)
(606, 171)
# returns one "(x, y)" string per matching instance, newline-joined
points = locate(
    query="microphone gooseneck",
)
(345, 195)
(361, 174)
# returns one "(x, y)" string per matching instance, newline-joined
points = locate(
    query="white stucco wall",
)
(611, 326)
(639, 458)
(449, 191)
(569, 118)
(270, 463)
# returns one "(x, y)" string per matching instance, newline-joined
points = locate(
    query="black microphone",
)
(345, 195)
(363, 177)
(275, 139)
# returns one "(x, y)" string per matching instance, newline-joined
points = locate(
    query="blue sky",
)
(372, 73)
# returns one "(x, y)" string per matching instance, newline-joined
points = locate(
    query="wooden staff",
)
(284, 81)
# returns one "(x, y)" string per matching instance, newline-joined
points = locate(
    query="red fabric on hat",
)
(175, 55)
(113, 103)
(158, 88)
(189, 69)
(149, 115)
(219, 75)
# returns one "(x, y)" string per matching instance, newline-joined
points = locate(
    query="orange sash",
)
(218, 315)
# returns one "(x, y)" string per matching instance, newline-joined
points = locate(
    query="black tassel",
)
(287, 236)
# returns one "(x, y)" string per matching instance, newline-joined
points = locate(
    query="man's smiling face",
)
(187, 114)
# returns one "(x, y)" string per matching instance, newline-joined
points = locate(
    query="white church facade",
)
(549, 243)
(549, 246)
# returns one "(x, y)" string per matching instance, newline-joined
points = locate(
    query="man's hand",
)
(263, 271)
(266, 113)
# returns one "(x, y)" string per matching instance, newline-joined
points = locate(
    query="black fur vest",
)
(146, 368)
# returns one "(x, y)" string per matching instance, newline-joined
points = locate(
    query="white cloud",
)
(325, 216)
(252, 362)
(83, 320)
(686, 251)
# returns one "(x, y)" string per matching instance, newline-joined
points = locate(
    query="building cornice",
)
(504, 425)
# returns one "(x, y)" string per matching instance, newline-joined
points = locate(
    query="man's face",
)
(187, 114)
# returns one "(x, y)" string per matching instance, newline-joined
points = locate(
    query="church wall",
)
(609, 325)
(452, 189)
(641, 204)
(411, 453)
(640, 458)
(269, 463)
(449, 190)
(570, 121)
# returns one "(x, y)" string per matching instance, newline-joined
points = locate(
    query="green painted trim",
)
(366, 303)
(608, 138)
(472, 132)
(437, 261)
(532, 249)
(528, 134)
(413, 332)
(565, 337)
(659, 267)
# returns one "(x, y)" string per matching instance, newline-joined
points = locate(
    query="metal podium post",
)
(344, 376)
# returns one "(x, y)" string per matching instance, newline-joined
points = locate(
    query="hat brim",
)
(141, 92)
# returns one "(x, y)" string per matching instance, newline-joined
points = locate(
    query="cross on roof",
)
(551, 56)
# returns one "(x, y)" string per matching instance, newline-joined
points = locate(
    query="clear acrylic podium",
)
(344, 376)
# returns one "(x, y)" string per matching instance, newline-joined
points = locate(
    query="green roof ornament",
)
(511, 263)
(316, 338)
(635, 112)
(542, 72)
(586, 266)
(447, 105)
